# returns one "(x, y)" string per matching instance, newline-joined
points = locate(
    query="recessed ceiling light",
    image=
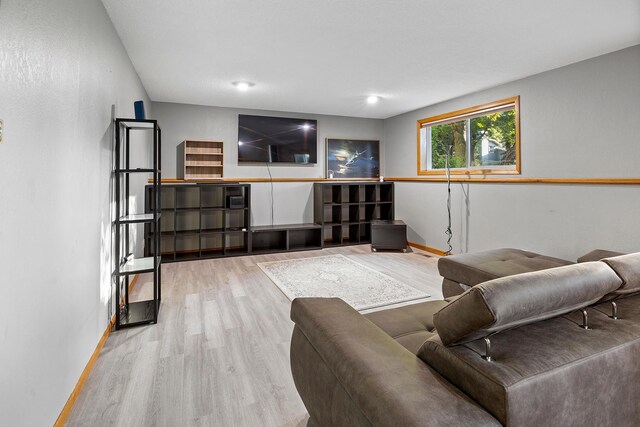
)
(373, 99)
(243, 85)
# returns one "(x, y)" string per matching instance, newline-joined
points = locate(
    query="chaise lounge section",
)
(426, 364)
(463, 271)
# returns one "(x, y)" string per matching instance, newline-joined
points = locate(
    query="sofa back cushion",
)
(627, 267)
(552, 373)
(517, 300)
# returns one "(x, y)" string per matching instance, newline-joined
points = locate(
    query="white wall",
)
(293, 202)
(62, 67)
(579, 121)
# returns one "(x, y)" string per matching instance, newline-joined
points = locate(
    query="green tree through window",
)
(479, 140)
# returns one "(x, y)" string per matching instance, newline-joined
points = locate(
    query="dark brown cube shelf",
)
(197, 223)
(345, 210)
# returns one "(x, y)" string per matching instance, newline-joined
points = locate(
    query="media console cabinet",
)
(286, 237)
(208, 220)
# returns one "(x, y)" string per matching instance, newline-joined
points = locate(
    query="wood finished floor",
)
(219, 355)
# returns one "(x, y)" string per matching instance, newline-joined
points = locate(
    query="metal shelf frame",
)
(130, 313)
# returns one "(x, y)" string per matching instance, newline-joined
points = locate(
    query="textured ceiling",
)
(327, 56)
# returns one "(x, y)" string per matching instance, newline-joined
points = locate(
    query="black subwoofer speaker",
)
(235, 202)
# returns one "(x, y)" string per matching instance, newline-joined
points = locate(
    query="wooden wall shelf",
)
(200, 160)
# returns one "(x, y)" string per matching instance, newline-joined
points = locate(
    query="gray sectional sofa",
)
(538, 348)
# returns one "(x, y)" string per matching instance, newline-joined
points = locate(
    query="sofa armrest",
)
(348, 371)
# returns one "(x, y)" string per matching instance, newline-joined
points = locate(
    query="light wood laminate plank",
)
(219, 355)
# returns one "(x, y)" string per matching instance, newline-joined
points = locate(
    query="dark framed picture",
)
(353, 158)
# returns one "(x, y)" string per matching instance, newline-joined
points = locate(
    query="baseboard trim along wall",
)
(64, 414)
(427, 249)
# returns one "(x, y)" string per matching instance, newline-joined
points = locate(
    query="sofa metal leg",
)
(585, 319)
(614, 311)
(487, 349)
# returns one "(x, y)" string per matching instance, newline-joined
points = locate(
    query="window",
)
(479, 140)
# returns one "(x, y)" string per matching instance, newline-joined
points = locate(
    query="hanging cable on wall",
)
(448, 231)
(271, 183)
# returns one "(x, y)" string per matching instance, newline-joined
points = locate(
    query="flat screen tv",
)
(277, 140)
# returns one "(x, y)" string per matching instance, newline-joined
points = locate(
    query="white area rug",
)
(338, 276)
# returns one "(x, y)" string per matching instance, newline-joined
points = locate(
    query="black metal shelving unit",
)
(133, 313)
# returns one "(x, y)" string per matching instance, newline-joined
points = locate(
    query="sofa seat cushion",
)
(552, 372)
(410, 325)
(474, 268)
(517, 300)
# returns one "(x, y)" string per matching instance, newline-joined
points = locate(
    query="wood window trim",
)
(465, 113)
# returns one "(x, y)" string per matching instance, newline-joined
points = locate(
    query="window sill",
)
(470, 172)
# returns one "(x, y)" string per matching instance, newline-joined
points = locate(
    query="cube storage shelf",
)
(345, 210)
(200, 220)
(132, 313)
(208, 220)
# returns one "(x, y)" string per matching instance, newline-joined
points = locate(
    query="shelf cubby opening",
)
(211, 220)
(212, 196)
(204, 147)
(236, 243)
(370, 193)
(167, 221)
(212, 244)
(203, 172)
(187, 243)
(354, 213)
(354, 193)
(207, 159)
(365, 232)
(385, 193)
(236, 220)
(167, 246)
(362, 212)
(350, 233)
(332, 214)
(265, 241)
(385, 211)
(187, 197)
(305, 239)
(168, 198)
(335, 194)
(332, 235)
(231, 196)
(234, 191)
(187, 221)
(369, 212)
